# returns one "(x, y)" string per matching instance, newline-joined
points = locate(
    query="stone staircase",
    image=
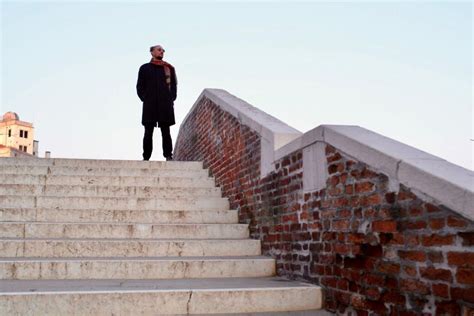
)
(116, 237)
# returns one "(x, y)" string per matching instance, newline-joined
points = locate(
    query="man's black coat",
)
(158, 100)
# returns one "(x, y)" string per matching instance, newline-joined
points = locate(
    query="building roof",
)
(10, 116)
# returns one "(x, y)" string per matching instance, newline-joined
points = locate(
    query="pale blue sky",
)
(402, 69)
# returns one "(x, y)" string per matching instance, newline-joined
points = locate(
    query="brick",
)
(329, 149)
(385, 213)
(441, 290)
(358, 301)
(354, 287)
(317, 269)
(406, 195)
(412, 240)
(391, 283)
(410, 270)
(437, 223)
(435, 256)
(344, 177)
(456, 222)
(393, 297)
(465, 294)
(334, 180)
(437, 240)
(377, 306)
(271, 238)
(415, 211)
(367, 173)
(390, 197)
(354, 201)
(372, 251)
(431, 208)
(363, 187)
(343, 298)
(436, 274)
(369, 212)
(358, 262)
(447, 308)
(343, 284)
(329, 281)
(342, 249)
(412, 255)
(349, 189)
(374, 280)
(341, 225)
(350, 163)
(329, 235)
(344, 213)
(461, 259)
(356, 238)
(391, 239)
(285, 162)
(334, 191)
(465, 276)
(411, 285)
(341, 202)
(334, 157)
(467, 238)
(389, 267)
(373, 199)
(335, 167)
(358, 212)
(384, 226)
(372, 293)
(414, 225)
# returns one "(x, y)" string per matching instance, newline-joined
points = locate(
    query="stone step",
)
(102, 171)
(122, 230)
(123, 203)
(102, 190)
(157, 297)
(135, 268)
(109, 163)
(42, 247)
(162, 182)
(119, 216)
(308, 312)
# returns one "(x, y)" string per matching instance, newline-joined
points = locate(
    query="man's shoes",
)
(169, 158)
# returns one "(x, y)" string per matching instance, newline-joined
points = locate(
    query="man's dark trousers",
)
(148, 140)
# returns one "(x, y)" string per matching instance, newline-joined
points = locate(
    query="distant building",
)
(16, 137)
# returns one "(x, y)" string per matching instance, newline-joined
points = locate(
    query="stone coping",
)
(439, 179)
(274, 133)
(430, 176)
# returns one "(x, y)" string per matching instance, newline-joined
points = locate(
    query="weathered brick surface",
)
(375, 252)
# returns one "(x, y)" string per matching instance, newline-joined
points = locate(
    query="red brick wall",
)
(374, 252)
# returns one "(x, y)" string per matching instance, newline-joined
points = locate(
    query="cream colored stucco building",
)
(16, 137)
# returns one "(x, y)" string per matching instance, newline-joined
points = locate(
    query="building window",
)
(26, 134)
(24, 148)
(9, 133)
(21, 147)
(21, 133)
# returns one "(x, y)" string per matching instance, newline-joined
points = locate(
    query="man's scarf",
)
(167, 67)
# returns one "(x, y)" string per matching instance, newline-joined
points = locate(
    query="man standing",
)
(157, 88)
